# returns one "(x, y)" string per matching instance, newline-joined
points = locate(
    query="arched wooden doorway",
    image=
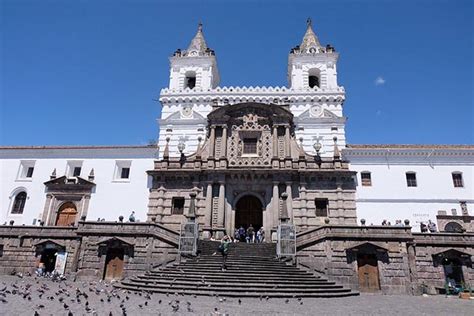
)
(249, 210)
(67, 215)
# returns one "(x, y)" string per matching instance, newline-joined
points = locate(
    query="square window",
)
(125, 173)
(178, 206)
(26, 170)
(76, 172)
(122, 170)
(321, 207)
(411, 179)
(29, 172)
(250, 146)
(366, 179)
(457, 180)
(74, 168)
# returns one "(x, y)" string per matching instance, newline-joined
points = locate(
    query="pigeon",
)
(65, 306)
(70, 314)
(36, 313)
(240, 301)
(286, 301)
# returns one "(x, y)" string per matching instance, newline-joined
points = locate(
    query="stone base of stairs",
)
(252, 271)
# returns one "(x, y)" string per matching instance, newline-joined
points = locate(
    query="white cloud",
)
(379, 81)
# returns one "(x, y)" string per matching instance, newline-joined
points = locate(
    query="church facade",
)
(241, 156)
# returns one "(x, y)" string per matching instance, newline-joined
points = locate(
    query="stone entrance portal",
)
(114, 264)
(249, 210)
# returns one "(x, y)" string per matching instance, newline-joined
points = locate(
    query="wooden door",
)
(368, 273)
(114, 264)
(66, 215)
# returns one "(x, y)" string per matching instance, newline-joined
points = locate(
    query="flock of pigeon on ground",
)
(96, 298)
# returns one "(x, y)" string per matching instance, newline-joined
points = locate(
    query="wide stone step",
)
(263, 294)
(237, 276)
(210, 287)
(230, 269)
(222, 283)
(240, 266)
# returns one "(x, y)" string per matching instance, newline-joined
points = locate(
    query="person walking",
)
(242, 233)
(224, 250)
(261, 235)
(250, 234)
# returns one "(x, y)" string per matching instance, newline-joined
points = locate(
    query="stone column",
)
(275, 210)
(289, 201)
(275, 141)
(212, 140)
(221, 205)
(224, 142)
(208, 215)
(303, 209)
(287, 141)
(159, 205)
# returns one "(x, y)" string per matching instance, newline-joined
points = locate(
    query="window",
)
(125, 173)
(313, 81)
(457, 180)
(19, 203)
(411, 179)
(74, 168)
(27, 168)
(321, 207)
(122, 170)
(77, 171)
(250, 146)
(190, 80)
(29, 172)
(178, 206)
(1, 250)
(366, 178)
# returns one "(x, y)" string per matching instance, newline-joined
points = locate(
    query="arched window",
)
(313, 78)
(313, 81)
(19, 203)
(453, 227)
(190, 80)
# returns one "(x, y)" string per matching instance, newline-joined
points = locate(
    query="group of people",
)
(398, 223)
(431, 227)
(249, 235)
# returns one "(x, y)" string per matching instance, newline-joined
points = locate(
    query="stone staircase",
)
(252, 271)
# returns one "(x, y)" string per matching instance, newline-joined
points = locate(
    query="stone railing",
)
(128, 229)
(444, 239)
(37, 231)
(344, 232)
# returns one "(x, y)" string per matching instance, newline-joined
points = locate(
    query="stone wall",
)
(20, 245)
(147, 245)
(428, 246)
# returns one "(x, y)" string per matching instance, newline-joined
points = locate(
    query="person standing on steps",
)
(224, 250)
(242, 233)
(250, 234)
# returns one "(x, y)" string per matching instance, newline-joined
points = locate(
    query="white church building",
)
(418, 183)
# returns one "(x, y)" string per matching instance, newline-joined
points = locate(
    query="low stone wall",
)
(20, 244)
(148, 245)
(428, 246)
(331, 251)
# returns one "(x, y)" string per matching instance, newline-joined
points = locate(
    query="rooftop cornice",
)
(68, 147)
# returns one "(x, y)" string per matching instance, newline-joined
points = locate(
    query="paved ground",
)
(24, 296)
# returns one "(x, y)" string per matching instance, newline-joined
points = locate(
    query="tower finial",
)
(309, 22)
(200, 26)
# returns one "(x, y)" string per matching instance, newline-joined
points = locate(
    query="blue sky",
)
(88, 72)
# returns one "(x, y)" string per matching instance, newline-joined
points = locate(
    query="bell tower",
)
(195, 67)
(311, 65)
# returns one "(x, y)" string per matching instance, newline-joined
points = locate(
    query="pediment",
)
(367, 246)
(315, 113)
(109, 240)
(178, 116)
(73, 181)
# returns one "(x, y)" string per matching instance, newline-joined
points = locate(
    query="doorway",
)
(368, 271)
(48, 258)
(453, 272)
(249, 210)
(67, 215)
(114, 264)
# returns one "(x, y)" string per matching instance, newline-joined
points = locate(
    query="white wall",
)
(110, 198)
(390, 198)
